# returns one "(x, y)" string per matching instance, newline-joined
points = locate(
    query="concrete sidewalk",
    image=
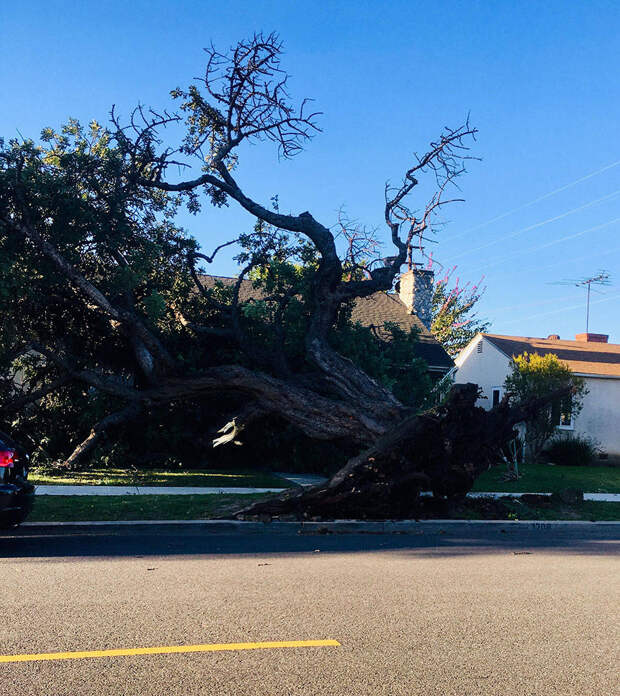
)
(301, 479)
(599, 497)
(200, 490)
(149, 490)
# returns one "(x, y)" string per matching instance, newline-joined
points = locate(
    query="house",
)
(486, 362)
(409, 307)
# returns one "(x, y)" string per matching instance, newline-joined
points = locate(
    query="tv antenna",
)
(601, 278)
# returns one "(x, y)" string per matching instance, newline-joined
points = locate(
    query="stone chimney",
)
(592, 338)
(415, 289)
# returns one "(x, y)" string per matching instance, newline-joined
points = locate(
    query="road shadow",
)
(195, 540)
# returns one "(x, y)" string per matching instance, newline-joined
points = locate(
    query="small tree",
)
(454, 321)
(534, 376)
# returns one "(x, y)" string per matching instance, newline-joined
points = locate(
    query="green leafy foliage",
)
(76, 186)
(574, 450)
(391, 361)
(534, 376)
(80, 189)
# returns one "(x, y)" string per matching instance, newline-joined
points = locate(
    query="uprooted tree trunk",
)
(442, 451)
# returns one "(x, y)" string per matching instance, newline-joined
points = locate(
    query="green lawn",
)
(155, 477)
(516, 509)
(65, 508)
(546, 478)
(80, 508)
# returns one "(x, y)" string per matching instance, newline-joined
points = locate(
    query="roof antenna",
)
(601, 278)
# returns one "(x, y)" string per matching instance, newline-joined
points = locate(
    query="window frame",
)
(564, 426)
(500, 391)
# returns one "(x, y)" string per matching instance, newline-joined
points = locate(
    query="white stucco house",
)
(486, 362)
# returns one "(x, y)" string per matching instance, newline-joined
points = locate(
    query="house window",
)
(479, 347)
(496, 396)
(562, 413)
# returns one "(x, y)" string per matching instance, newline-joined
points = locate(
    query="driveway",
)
(490, 612)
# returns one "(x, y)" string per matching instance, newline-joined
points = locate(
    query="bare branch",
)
(251, 101)
(210, 259)
(114, 419)
(361, 245)
(445, 159)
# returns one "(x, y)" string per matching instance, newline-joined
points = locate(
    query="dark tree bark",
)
(97, 432)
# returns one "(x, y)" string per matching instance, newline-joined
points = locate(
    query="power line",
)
(536, 200)
(510, 235)
(563, 309)
(531, 269)
(483, 269)
(529, 304)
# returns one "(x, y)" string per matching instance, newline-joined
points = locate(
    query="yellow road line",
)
(208, 647)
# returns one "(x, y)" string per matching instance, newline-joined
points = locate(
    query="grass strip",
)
(86, 508)
(547, 478)
(517, 509)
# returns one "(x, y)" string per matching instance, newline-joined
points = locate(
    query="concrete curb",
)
(349, 526)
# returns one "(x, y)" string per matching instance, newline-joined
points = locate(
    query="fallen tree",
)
(441, 451)
(105, 311)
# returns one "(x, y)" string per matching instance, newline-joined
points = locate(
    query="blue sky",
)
(539, 79)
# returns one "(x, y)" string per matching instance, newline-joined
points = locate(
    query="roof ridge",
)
(554, 341)
(596, 359)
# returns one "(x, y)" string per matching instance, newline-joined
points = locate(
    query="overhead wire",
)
(530, 269)
(545, 246)
(562, 309)
(529, 304)
(529, 228)
(533, 202)
(538, 225)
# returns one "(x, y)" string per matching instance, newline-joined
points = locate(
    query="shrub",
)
(535, 376)
(572, 451)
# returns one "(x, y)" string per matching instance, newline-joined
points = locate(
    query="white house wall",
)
(600, 416)
(488, 369)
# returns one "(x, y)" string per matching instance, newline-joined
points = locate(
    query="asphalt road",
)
(488, 612)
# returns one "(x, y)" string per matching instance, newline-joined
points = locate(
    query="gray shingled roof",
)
(246, 292)
(372, 311)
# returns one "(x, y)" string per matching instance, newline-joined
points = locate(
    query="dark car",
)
(16, 494)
